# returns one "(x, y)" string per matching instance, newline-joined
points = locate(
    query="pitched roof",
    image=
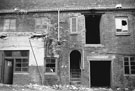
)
(66, 4)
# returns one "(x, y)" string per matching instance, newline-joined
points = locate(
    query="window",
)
(121, 24)
(9, 24)
(50, 66)
(74, 25)
(21, 59)
(92, 33)
(129, 65)
(41, 24)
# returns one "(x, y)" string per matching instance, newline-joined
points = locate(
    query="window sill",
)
(130, 75)
(50, 73)
(122, 34)
(24, 73)
(93, 45)
(74, 33)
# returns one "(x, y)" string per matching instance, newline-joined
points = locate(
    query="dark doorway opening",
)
(75, 63)
(8, 71)
(100, 73)
(92, 29)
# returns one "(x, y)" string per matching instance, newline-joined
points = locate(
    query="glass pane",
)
(24, 53)
(49, 69)
(125, 58)
(8, 53)
(18, 60)
(132, 63)
(24, 69)
(16, 54)
(133, 72)
(25, 60)
(25, 65)
(126, 63)
(132, 67)
(18, 65)
(17, 69)
(132, 59)
(126, 70)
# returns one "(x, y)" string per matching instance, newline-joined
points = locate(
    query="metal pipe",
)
(36, 62)
(58, 25)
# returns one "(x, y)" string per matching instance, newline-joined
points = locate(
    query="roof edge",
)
(66, 10)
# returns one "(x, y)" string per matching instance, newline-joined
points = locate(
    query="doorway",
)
(100, 73)
(75, 63)
(8, 71)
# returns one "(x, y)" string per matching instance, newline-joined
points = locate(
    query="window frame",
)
(116, 26)
(20, 57)
(10, 23)
(71, 24)
(51, 73)
(42, 23)
(129, 65)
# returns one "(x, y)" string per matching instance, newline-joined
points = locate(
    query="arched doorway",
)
(75, 63)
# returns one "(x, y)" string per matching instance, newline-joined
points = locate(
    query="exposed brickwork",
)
(113, 48)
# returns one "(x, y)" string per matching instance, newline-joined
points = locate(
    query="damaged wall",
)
(112, 47)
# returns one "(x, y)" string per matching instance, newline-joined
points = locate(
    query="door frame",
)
(101, 58)
(80, 50)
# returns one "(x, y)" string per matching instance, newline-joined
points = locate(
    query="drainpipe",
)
(58, 25)
(36, 62)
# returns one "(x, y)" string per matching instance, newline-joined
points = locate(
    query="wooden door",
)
(8, 71)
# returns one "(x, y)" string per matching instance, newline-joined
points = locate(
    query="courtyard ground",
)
(35, 87)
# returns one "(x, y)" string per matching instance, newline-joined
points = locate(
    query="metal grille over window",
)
(129, 65)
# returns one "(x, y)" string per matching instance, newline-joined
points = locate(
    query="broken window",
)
(50, 65)
(121, 24)
(129, 65)
(21, 59)
(92, 23)
(9, 24)
(41, 24)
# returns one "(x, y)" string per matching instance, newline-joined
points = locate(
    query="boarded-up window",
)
(9, 25)
(41, 24)
(129, 65)
(121, 24)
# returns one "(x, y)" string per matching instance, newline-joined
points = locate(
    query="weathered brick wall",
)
(112, 45)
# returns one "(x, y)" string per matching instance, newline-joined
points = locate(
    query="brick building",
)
(88, 42)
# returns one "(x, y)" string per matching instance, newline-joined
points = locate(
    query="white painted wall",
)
(22, 43)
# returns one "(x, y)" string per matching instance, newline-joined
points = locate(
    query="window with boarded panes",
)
(129, 65)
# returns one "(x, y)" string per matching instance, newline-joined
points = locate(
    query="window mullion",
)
(129, 65)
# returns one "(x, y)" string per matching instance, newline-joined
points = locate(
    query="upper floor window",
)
(92, 34)
(74, 25)
(129, 65)
(41, 24)
(50, 65)
(121, 24)
(9, 25)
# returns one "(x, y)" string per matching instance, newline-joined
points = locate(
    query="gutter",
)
(104, 9)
